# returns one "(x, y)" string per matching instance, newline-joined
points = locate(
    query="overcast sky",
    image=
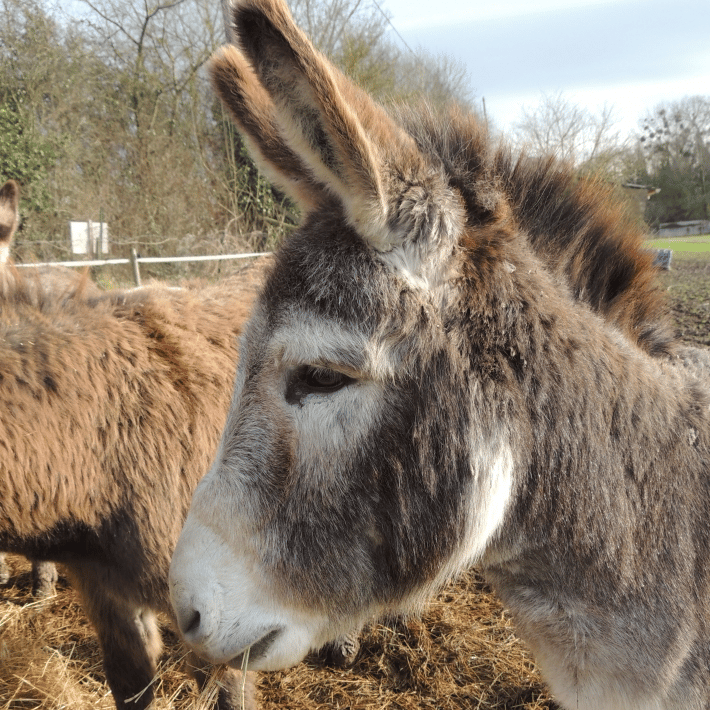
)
(631, 54)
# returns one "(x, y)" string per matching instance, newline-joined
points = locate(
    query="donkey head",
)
(362, 462)
(9, 216)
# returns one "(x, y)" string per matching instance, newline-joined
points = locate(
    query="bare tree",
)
(559, 127)
(160, 45)
(439, 78)
(356, 35)
(330, 23)
(675, 143)
(107, 115)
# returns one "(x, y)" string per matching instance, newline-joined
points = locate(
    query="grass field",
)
(461, 654)
(683, 245)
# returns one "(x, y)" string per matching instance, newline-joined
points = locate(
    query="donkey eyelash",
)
(314, 379)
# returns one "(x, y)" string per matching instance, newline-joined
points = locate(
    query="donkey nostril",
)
(193, 623)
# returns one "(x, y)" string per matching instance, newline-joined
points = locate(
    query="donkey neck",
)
(612, 445)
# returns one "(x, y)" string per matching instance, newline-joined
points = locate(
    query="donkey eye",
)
(321, 378)
(314, 380)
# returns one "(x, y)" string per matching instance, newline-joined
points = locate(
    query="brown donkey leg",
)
(131, 644)
(44, 576)
(4, 569)
(44, 579)
(128, 635)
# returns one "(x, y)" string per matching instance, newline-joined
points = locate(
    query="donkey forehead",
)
(325, 268)
(302, 337)
(328, 267)
(316, 311)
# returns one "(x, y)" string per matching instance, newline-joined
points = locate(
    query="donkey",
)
(112, 404)
(461, 357)
(9, 216)
(44, 574)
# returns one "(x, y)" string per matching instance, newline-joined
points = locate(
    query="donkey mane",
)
(577, 226)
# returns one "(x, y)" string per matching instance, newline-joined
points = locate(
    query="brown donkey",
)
(112, 406)
(57, 279)
(9, 216)
(460, 358)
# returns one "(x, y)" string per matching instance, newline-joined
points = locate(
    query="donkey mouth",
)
(257, 650)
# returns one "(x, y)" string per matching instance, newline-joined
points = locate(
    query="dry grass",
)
(462, 653)
(50, 659)
(49, 656)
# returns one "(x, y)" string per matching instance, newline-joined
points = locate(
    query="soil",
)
(688, 284)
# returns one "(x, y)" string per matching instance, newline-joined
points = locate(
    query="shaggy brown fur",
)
(61, 282)
(112, 408)
(459, 358)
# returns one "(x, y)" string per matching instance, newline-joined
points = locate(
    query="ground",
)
(688, 284)
(462, 653)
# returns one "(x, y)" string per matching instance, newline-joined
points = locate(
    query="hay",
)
(461, 653)
(49, 657)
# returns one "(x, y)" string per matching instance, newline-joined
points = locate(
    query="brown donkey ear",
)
(254, 114)
(347, 141)
(9, 216)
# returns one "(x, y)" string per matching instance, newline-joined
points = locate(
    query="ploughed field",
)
(461, 653)
(688, 284)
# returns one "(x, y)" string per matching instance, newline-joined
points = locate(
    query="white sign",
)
(89, 238)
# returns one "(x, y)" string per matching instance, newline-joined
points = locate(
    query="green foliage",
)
(254, 204)
(27, 153)
(106, 113)
(25, 156)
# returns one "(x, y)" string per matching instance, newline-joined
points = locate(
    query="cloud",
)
(581, 48)
(578, 46)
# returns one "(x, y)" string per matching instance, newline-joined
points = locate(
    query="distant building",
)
(683, 229)
(662, 258)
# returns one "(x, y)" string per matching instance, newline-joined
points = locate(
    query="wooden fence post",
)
(136, 267)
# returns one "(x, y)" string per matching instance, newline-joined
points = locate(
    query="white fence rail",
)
(136, 260)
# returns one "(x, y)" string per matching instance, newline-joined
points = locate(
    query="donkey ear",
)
(350, 144)
(9, 216)
(253, 112)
